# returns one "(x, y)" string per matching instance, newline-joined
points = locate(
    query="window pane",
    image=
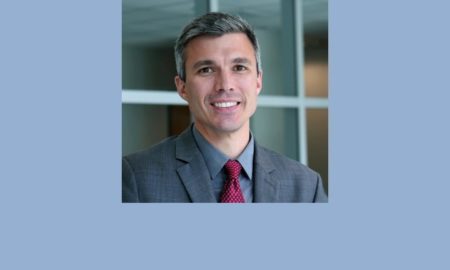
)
(316, 72)
(277, 129)
(317, 120)
(315, 26)
(149, 30)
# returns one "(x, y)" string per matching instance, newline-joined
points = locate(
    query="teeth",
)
(225, 104)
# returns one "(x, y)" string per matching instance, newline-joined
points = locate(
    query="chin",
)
(228, 127)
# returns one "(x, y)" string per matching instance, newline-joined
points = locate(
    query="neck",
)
(232, 144)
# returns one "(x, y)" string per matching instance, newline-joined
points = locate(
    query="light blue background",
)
(60, 152)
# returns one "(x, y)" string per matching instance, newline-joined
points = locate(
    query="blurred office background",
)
(292, 115)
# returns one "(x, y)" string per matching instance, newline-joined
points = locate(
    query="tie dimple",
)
(232, 189)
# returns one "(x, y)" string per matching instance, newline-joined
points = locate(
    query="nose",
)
(224, 81)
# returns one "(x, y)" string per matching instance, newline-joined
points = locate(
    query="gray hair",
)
(213, 24)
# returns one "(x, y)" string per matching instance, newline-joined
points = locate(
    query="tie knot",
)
(233, 168)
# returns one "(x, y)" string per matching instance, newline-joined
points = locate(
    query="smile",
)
(225, 104)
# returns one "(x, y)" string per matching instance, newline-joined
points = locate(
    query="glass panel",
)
(145, 125)
(265, 17)
(317, 127)
(149, 30)
(277, 129)
(316, 72)
(315, 21)
(148, 68)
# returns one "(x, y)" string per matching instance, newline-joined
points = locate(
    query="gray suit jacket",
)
(175, 171)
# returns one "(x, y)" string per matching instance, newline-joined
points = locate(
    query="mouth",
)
(226, 104)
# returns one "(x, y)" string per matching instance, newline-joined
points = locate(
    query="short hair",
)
(213, 24)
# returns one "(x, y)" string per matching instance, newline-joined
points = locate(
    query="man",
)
(217, 159)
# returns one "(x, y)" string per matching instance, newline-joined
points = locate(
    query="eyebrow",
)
(241, 60)
(203, 63)
(237, 60)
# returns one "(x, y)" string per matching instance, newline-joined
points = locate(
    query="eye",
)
(205, 70)
(239, 68)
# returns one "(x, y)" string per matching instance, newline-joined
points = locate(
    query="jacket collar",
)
(193, 171)
(266, 186)
(195, 177)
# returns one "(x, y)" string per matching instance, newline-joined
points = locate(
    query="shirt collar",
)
(215, 160)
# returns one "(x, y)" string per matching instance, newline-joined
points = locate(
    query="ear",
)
(259, 81)
(181, 88)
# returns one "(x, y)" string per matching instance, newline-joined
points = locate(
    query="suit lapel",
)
(266, 187)
(193, 171)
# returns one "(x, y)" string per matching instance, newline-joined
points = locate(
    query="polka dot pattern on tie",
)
(231, 192)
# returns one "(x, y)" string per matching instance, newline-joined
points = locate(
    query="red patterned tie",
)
(232, 189)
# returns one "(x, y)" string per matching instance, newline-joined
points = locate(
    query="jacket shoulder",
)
(288, 167)
(160, 154)
(296, 182)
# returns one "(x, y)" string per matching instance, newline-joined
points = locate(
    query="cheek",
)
(195, 94)
(252, 88)
(252, 101)
(249, 83)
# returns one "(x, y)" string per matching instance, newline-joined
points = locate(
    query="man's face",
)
(221, 83)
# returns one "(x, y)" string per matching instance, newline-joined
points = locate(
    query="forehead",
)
(212, 47)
